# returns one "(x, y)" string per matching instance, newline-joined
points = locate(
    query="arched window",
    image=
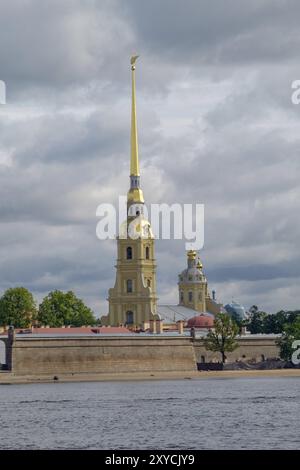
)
(149, 282)
(129, 252)
(129, 318)
(181, 297)
(190, 296)
(129, 285)
(147, 252)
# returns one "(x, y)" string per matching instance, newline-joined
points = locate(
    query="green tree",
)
(237, 319)
(64, 308)
(291, 315)
(291, 333)
(273, 323)
(17, 308)
(256, 321)
(223, 337)
(262, 322)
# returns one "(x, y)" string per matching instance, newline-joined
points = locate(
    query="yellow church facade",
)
(133, 299)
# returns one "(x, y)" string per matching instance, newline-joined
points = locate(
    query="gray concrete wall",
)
(116, 354)
(101, 355)
(250, 349)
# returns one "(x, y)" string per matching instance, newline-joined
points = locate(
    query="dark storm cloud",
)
(255, 273)
(222, 31)
(216, 126)
(64, 139)
(58, 43)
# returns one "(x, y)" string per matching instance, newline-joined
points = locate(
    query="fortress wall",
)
(32, 356)
(253, 349)
(115, 354)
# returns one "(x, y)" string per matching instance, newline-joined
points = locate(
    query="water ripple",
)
(257, 413)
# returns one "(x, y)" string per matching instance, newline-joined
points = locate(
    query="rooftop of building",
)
(174, 313)
(72, 331)
(202, 320)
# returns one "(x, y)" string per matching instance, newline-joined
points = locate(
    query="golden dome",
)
(191, 254)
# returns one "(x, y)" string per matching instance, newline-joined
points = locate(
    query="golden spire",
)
(134, 160)
(135, 194)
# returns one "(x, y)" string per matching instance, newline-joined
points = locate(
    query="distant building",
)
(203, 320)
(193, 289)
(236, 311)
(133, 299)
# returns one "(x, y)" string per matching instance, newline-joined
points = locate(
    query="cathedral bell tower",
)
(193, 284)
(132, 301)
(193, 289)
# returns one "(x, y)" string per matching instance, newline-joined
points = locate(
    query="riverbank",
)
(8, 378)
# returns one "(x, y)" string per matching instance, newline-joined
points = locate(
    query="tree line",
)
(267, 323)
(286, 324)
(19, 308)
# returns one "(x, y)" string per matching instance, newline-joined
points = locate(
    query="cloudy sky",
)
(216, 126)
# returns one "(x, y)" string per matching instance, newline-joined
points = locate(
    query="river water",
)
(244, 413)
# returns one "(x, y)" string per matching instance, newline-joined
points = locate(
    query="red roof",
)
(201, 321)
(75, 330)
